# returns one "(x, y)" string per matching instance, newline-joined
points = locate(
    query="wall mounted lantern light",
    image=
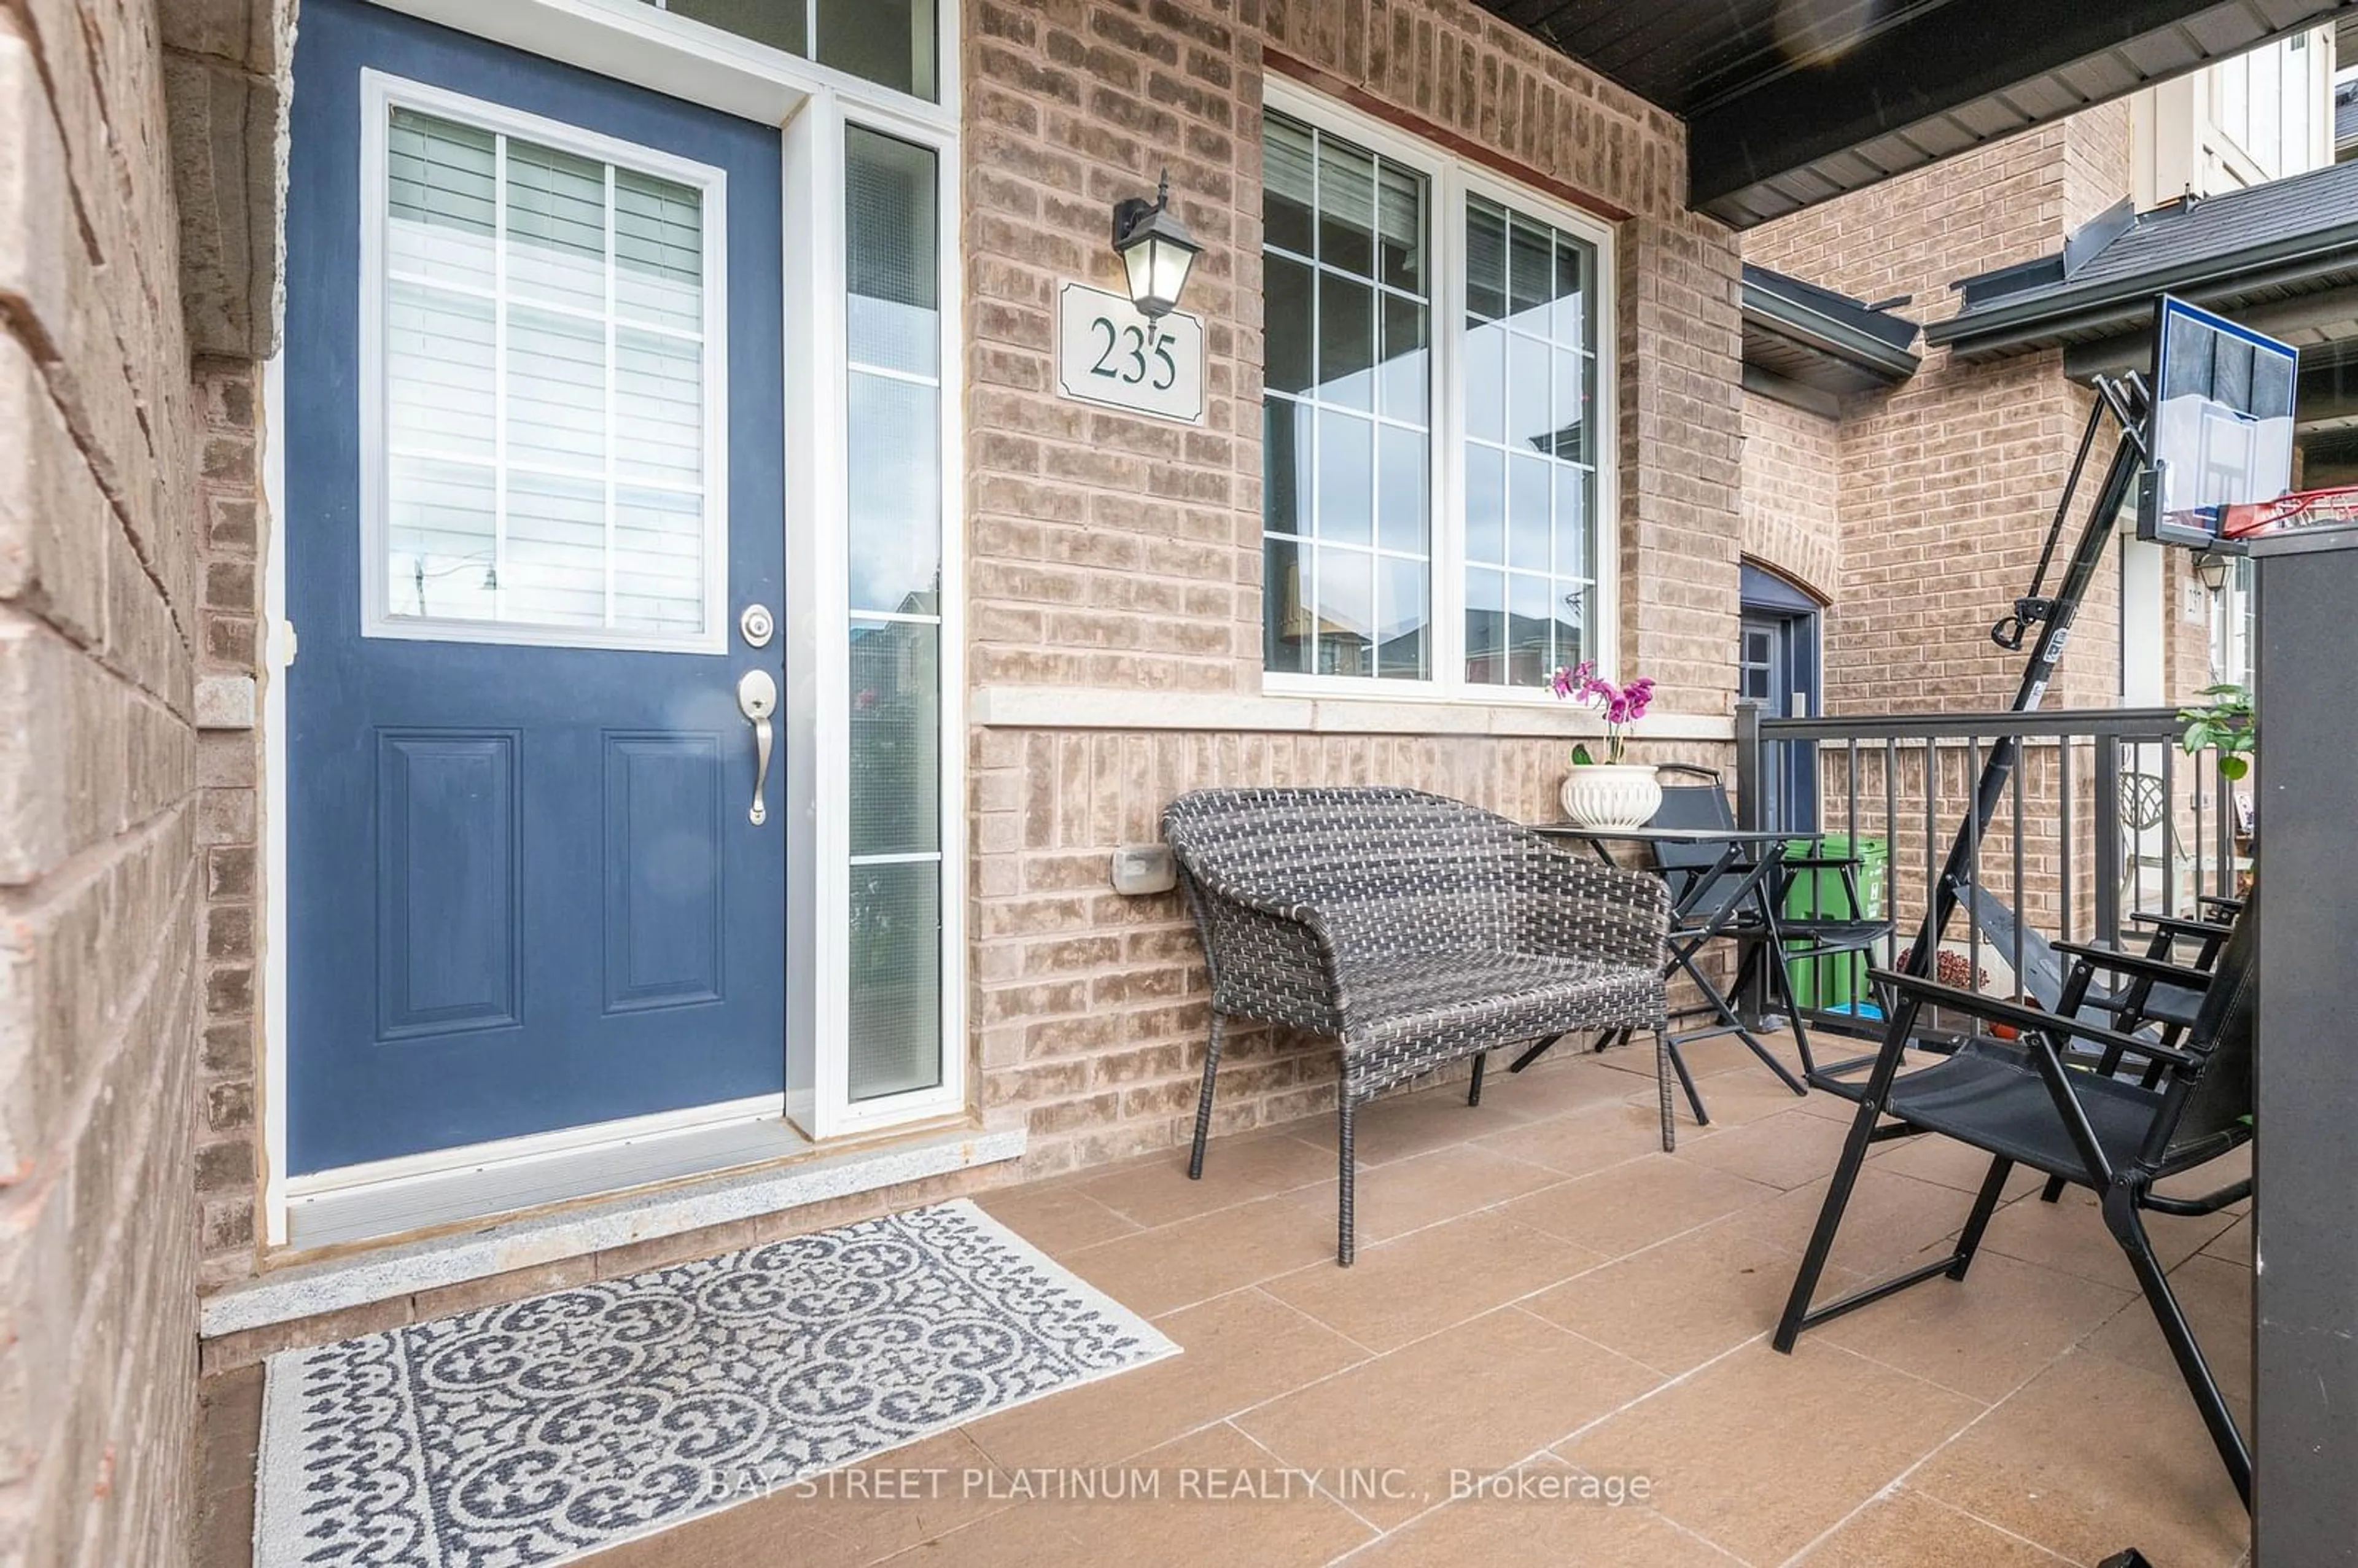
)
(2212, 567)
(1155, 249)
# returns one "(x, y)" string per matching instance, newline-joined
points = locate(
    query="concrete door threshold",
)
(309, 1289)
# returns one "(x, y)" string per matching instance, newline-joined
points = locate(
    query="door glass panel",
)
(547, 396)
(443, 195)
(440, 348)
(556, 227)
(555, 565)
(658, 253)
(439, 532)
(556, 405)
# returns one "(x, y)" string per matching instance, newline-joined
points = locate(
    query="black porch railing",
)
(2102, 816)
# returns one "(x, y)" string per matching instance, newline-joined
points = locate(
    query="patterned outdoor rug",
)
(538, 1431)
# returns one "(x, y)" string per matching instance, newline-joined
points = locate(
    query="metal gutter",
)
(1828, 334)
(2127, 301)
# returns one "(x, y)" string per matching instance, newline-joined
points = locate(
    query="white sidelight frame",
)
(381, 94)
(640, 45)
(1450, 181)
(819, 1087)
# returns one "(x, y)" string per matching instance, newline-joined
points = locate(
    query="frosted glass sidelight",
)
(892, 560)
(896, 977)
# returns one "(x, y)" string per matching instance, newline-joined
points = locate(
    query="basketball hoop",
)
(2300, 509)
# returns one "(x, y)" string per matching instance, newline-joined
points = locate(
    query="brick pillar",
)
(228, 815)
(98, 860)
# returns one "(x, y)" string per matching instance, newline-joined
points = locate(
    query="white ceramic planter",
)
(1611, 794)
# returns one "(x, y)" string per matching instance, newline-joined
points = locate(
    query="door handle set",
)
(757, 698)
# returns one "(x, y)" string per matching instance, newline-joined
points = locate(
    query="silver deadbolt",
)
(757, 698)
(756, 626)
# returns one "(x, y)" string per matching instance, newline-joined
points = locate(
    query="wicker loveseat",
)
(1416, 929)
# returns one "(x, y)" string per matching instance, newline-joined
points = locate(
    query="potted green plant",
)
(1613, 793)
(2225, 724)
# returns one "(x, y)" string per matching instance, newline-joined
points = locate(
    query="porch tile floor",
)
(1544, 1298)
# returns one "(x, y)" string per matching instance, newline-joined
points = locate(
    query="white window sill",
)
(1085, 707)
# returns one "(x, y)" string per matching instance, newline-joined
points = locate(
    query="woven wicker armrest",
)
(1576, 907)
(1279, 903)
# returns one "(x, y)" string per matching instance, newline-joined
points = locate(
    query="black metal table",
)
(1753, 856)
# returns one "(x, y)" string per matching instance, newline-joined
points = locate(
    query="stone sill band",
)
(1084, 708)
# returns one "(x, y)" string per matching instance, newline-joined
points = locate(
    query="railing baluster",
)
(2021, 897)
(1928, 964)
(2224, 830)
(1973, 863)
(1890, 837)
(2202, 777)
(2169, 832)
(2064, 856)
(2108, 838)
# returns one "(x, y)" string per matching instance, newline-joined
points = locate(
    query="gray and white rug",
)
(533, 1433)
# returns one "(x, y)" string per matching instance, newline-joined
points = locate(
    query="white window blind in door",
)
(547, 410)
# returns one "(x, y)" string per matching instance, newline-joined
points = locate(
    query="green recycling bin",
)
(1838, 983)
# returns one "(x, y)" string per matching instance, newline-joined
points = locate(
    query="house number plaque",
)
(1109, 354)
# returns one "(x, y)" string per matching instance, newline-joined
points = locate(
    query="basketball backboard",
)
(2221, 430)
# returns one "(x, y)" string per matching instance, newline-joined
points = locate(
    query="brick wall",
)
(99, 819)
(1946, 486)
(1947, 482)
(1090, 1008)
(229, 820)
(1112, 552)
(1792, 492)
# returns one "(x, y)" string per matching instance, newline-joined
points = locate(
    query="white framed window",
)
(1437, 484)
(529, 293)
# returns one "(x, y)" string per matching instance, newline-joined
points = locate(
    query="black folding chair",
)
(1727, 890)
(2022, 1103)
(2045, 972)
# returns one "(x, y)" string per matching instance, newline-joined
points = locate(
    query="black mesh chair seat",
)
(1992, 1097)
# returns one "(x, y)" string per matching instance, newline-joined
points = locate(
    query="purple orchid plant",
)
(1621, 704)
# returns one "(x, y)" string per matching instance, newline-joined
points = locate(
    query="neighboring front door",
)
(1777, 667)
(534, 436)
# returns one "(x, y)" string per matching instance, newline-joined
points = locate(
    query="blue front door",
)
(534, 434)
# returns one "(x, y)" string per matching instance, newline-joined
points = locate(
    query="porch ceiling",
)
(1788, 103)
